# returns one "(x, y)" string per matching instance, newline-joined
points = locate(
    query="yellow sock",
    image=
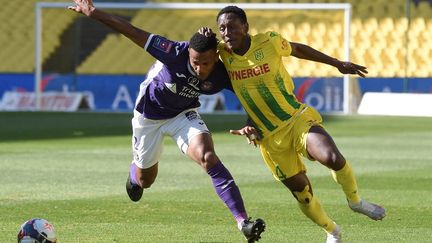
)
(345, 177)
(311, 207)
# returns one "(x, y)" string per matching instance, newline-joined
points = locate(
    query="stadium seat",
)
(423, 10)
(378, 35)
(372, 25)
(22, 34)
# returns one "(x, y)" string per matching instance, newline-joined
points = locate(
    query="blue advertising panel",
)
(118, 92)
(324, 94)
(396, 85)
(16, 82)
(109, 92)
(381, 85)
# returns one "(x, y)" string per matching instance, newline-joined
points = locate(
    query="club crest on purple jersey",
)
(162, 44)
(206, 86)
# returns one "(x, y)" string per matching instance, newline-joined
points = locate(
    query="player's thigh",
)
(314, 142)
(321, 147)
(280, 155)
(147, 141)
(301, 131)
(185, 127)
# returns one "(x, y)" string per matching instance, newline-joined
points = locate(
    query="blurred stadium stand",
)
(379, 37)
(17, 38)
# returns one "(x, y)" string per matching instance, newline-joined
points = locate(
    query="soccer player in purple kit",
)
(167, 105)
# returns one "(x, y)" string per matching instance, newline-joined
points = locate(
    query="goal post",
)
(345, 7)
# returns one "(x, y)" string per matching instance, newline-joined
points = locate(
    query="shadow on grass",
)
(49, 125)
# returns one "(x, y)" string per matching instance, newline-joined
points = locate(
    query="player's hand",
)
(206, 31)
(252, 136)
(85, 7)
(352, 68)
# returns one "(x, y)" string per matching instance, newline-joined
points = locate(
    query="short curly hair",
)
(240, 13)
(202, 43)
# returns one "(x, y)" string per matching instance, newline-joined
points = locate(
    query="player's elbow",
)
(298, 50)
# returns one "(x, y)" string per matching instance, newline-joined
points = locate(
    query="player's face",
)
(233, 32)
(203, 62)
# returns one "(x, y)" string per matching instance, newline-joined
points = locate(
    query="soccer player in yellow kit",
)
(288, 129)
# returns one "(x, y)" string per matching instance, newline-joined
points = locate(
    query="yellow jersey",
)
(261, 82)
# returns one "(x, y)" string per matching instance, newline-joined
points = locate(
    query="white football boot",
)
(335, 236)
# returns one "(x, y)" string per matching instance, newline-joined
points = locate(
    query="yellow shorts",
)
(282, 151)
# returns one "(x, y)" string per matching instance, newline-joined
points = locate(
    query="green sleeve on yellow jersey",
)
(282, 46)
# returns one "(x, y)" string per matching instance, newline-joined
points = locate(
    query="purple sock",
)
(228, 191)
(132, 174)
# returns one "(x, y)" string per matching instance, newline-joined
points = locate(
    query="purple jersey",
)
(171, 85)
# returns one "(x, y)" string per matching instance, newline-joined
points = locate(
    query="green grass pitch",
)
(70, 168)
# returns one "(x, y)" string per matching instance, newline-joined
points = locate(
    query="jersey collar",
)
(246, 54)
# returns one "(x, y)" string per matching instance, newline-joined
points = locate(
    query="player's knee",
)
(305, 196)
(332, 159)
(208, 160)
(329, 157)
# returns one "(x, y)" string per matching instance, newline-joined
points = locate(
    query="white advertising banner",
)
(396, 104)
(50, 101)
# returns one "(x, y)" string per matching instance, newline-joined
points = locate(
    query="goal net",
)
(79, 56)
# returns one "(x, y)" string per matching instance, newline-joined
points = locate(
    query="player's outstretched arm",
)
(306, 52)
(86, 7)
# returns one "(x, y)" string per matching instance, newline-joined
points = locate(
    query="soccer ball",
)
(37, 231)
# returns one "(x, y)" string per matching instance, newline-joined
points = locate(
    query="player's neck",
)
(246, 45)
